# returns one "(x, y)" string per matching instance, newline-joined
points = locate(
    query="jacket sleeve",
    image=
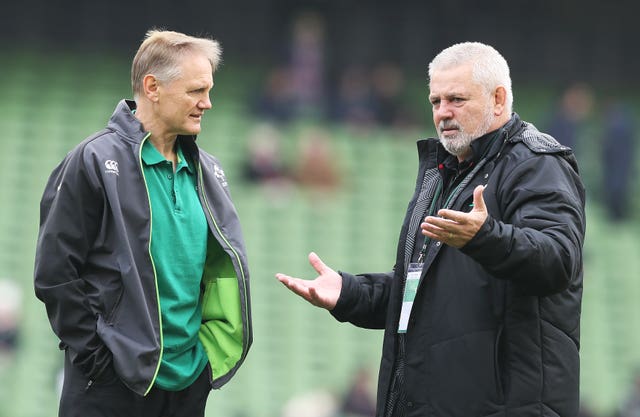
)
(70, 212)
(536, 242)
(363, 300)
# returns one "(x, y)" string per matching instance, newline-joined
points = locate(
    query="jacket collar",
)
(434, 152)
(151, 156)
(125, 122)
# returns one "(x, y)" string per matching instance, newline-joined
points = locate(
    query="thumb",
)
(478, 199)
(317, 263)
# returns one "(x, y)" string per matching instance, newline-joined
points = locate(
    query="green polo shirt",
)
(179, 234)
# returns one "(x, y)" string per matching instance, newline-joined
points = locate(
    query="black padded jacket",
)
(494, 329)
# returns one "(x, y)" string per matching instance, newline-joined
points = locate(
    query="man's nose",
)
(206, 103)
(443, 111)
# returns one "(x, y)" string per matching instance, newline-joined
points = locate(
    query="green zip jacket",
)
(95, 273)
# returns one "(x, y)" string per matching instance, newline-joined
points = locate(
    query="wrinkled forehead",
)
(451, 80)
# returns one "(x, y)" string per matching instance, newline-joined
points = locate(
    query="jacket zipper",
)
(239, 261)
(153, 265)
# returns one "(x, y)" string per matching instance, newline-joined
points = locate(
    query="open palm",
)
(323, 291)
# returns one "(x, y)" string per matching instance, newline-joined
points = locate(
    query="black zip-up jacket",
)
(494, 329)
(95, 273)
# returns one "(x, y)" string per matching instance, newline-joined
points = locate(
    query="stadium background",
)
(66, 64)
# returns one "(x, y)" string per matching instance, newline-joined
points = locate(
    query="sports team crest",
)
(219, 173)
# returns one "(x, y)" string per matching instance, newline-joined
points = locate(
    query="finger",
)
(430, 229)
(296, 285)
(291, 282)
(446, 219)
(459, 216)
(317, 263)
(314, 297)
(449, 217)
(283, 278)
(478, 199)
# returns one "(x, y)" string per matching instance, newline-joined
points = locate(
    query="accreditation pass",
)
(410, 288)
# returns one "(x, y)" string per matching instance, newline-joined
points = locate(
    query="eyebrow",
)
(454, 94)
(201, 86)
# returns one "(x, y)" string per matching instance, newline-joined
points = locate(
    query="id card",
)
(410, 289)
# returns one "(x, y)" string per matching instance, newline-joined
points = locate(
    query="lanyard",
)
(432, 209)
(452, 196)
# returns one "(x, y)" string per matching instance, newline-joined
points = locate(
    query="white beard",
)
(460, 143)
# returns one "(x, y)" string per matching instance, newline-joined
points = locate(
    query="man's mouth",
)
(448, 128)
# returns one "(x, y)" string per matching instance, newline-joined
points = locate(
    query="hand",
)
(456, 228)
(322, 291)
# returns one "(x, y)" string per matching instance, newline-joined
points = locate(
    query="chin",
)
(192, 131)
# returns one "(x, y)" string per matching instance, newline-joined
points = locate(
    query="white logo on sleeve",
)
(111, 166)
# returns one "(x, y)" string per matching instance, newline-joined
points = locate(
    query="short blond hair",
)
(161, 52)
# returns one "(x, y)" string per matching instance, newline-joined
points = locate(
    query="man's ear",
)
(499, 100)
(150, 87)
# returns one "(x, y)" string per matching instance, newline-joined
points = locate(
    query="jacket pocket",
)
(116, 295)
(113, 307)
(467, 367)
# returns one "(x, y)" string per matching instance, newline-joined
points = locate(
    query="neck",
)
(163, 142)
(464, 156)
(166, 146)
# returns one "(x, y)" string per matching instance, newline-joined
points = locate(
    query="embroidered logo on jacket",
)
(219, 173)
(111, 166)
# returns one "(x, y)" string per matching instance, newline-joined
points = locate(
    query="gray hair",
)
(161, 53)
(489, 68)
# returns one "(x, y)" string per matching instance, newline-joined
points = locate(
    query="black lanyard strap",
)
(448, 202)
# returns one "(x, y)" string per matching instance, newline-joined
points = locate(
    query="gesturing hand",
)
(456, 228)
(322, 291)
